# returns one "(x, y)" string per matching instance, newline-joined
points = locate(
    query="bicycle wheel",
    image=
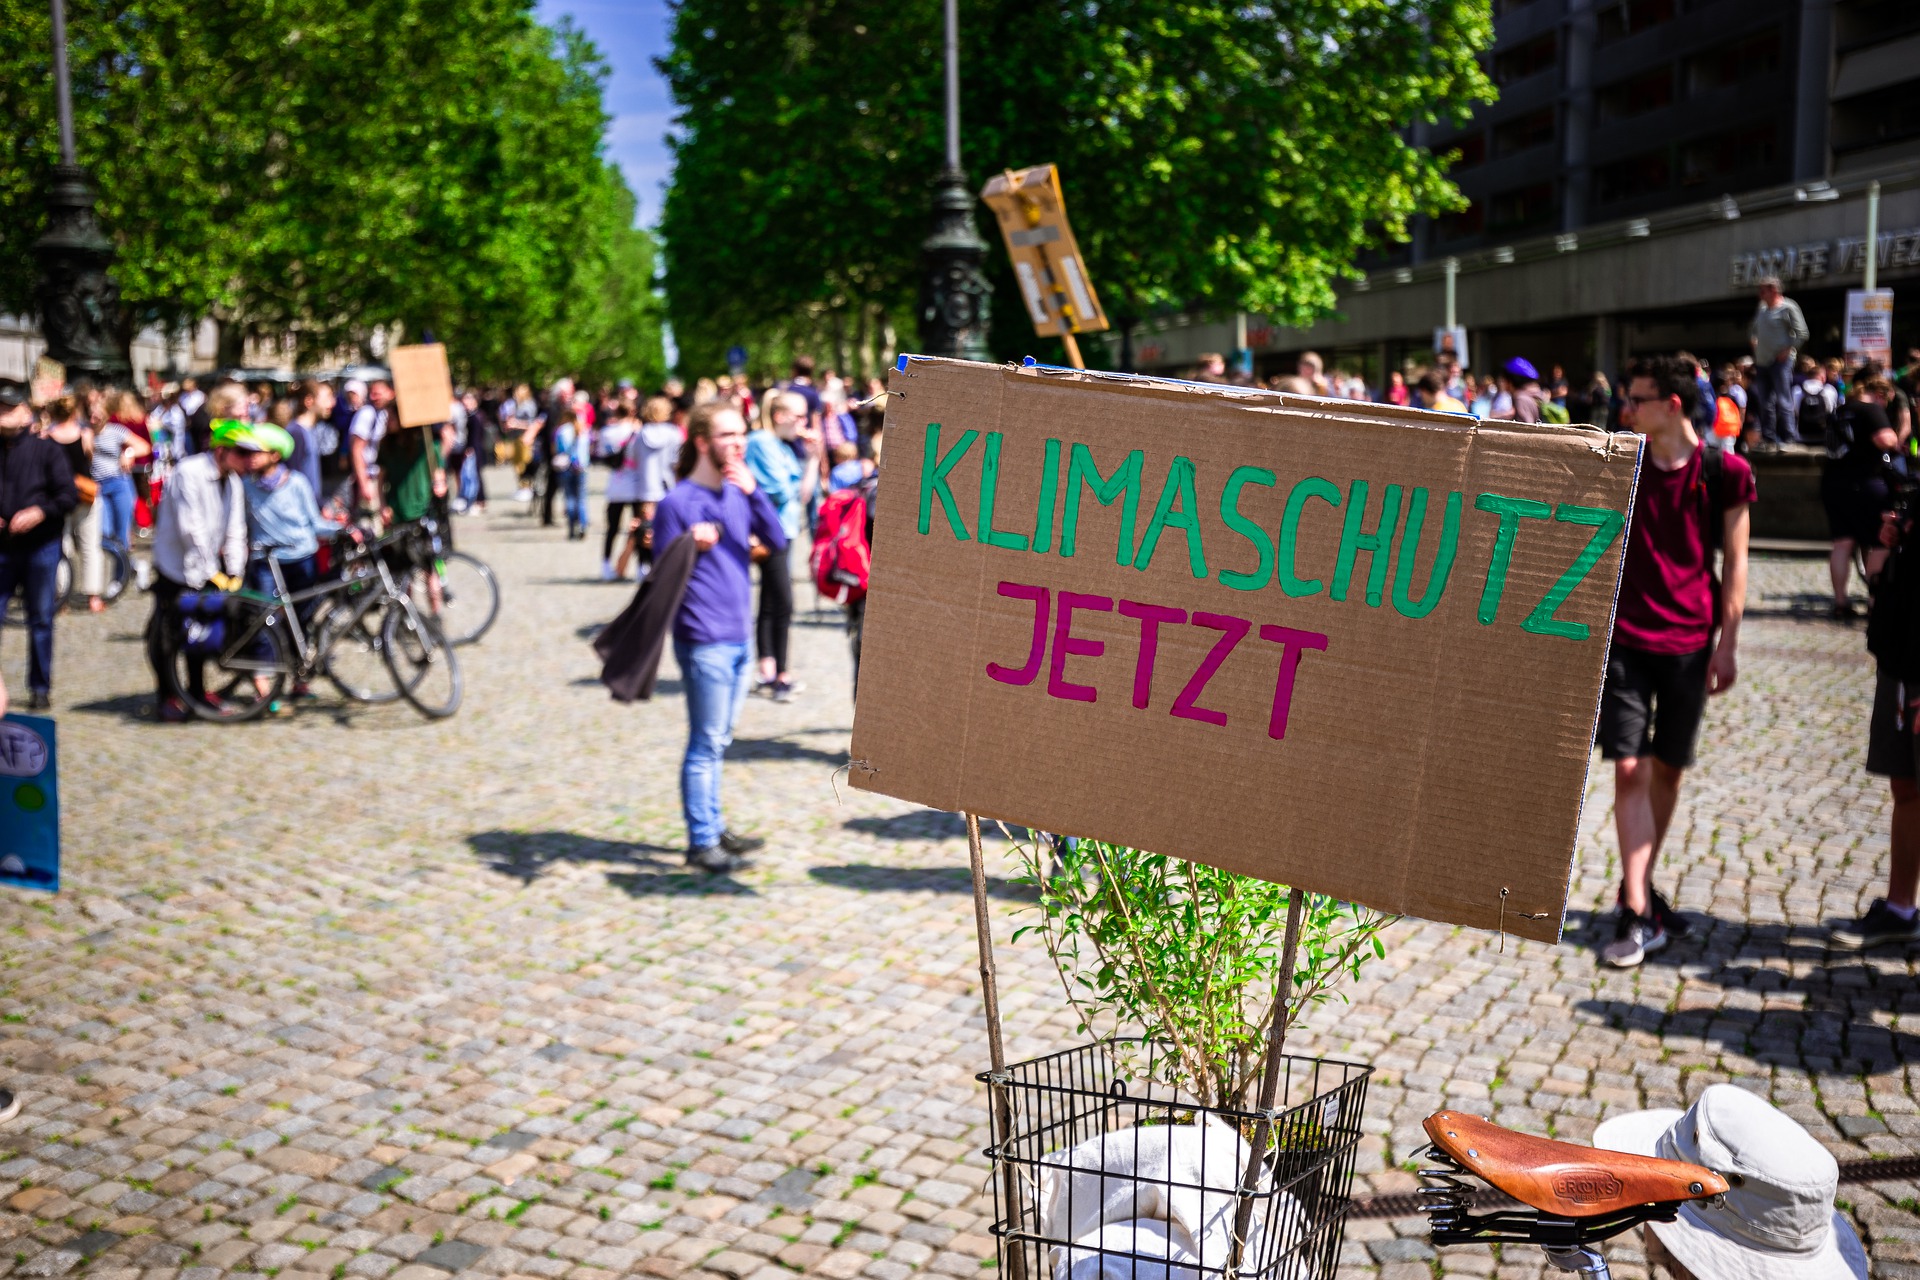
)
(469, 598)
(247, 675)
(350, 647)
(421, 660)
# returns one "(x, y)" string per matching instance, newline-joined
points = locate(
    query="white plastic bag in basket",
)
(1184, 1175)
(1104, 1255)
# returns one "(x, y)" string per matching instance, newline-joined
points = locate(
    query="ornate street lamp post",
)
(955, 297)
(79, 303)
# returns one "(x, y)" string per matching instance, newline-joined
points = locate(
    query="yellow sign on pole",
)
(1054, 287)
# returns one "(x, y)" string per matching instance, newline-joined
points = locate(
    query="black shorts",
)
(1854, 505)
(1891, 742)
(1652, 703)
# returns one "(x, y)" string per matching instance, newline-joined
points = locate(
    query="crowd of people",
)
(738, 476)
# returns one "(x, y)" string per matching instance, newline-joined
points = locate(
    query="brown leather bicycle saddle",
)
(1562, 1178)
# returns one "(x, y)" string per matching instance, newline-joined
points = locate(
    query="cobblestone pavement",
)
(358, 995)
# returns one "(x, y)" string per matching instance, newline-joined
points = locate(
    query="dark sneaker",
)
(1676, 925)
(712, 859)
(1881, 925)
(740, 846)
(39, 702)
(1634, 939)
(174, 711)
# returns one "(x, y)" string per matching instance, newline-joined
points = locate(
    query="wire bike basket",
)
(1099, 1171)
(1096, 1176)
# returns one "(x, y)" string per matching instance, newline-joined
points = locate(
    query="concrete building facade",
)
(1646, 161)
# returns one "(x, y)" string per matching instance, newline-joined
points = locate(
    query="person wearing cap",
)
(36, 493)
(283, 515)
(1520, 393)
(284, 525)
(1777, 1222)
(200, 537)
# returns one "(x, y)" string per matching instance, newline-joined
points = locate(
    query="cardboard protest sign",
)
(1046, 261)
(421, 383)
(1343, 646)
(29, 804)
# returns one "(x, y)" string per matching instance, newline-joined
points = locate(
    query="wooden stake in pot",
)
(996, 1045)
(1269, 1082)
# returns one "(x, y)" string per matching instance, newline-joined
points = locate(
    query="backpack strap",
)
(1713, 473)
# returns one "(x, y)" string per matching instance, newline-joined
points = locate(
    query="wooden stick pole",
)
(996, 1048)
(1269, 1080)
(1072, 345)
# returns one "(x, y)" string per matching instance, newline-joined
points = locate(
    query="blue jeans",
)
(1770, 400)
(573, 482)
(116, 510)
(39, 569)
(716, 678)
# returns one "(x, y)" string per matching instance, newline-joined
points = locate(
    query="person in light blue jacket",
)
(783, 453)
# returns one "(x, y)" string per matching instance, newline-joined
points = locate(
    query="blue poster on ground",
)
(29, 804)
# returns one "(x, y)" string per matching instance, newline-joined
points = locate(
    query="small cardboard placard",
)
(1054, 286)
(29, 803)
(421, 383)
(1348, 647)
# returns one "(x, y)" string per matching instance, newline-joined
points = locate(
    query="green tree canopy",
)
(323, 167)
(1215, 155)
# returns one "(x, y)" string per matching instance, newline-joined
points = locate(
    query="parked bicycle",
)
(469, 594)
(242, 649)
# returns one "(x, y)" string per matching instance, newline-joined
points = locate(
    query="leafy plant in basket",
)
(1185, 954)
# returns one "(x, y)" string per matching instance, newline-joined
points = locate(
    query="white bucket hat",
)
(1778, 1222)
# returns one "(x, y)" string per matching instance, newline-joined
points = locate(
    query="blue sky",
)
(630, 34)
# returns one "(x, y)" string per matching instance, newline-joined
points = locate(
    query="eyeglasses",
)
(1646, 399)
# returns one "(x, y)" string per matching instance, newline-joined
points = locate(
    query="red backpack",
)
(841, 556)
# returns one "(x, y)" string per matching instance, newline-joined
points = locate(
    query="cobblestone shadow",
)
(526, 855)
(656, 869)
(867, 877)
(920, 824)
(781, 749)
(1775, 993)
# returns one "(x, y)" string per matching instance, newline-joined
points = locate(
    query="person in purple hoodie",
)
(720, 505)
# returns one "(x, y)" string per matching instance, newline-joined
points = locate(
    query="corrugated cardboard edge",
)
(1605, 444)
(1606, 660)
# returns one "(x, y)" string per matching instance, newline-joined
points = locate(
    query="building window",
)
(1522, 133)
(1501, 8)
(1745, 59)
(1724, 154)
(1467, 222)
(1870, 22)
(1636, 95)
(1527, 59)
(1635, 176)
(1876, 119)
(1631, 17)
(1523, 208)
(1472, 148)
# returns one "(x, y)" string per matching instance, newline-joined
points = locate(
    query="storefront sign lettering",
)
(1817, 259)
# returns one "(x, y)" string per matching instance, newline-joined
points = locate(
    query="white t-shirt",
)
(369, 424)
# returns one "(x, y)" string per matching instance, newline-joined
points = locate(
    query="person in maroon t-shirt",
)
(1665, 660)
